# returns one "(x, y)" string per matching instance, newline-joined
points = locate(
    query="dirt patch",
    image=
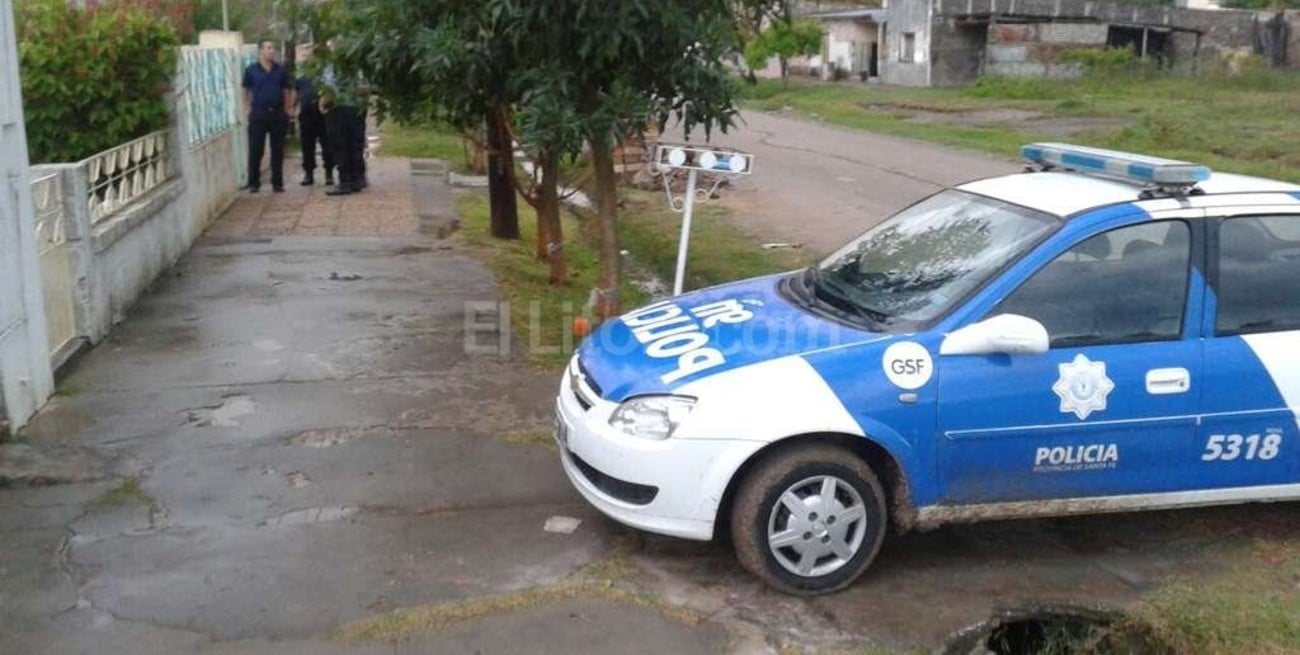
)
(1023, 120)
(976, 118)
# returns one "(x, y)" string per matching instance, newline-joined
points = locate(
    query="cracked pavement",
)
(287, 436)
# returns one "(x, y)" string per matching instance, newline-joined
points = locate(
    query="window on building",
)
(1259, 275)
(908, 54)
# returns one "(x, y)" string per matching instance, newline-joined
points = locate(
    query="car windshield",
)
(911, 268)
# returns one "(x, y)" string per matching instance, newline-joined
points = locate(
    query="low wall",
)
(131, 249)
(111, 256)
(211, 174)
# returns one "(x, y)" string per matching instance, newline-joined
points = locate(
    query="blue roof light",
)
(1113, 163)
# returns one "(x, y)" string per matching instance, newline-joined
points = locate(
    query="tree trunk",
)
(602, 161)
(501, 185)
(548, 218)
(542, 201)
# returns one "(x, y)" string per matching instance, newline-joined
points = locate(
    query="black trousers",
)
(341, 127)
(360, 145)
(311, 131)
(273, 124)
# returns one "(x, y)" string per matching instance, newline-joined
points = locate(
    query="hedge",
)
(93, 77)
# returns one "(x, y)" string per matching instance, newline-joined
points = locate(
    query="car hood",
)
(660, 347)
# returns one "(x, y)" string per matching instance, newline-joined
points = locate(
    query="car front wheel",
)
(809, 520)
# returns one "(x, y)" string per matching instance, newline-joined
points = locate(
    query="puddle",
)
(222, 414)
(1056, 630)
(327, 437)
(297, 479)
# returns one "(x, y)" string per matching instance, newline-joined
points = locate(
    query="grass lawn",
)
(719, 252)
(1253, 608)
(1245, 124)
(425, 142)
(541, 314)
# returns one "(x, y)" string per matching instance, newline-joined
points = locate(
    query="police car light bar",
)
(683, 156)
(1113, 163)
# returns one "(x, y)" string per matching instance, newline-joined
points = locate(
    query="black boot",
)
(329, 177)
(308, 179)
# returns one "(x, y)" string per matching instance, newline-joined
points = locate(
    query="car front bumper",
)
(672, 487)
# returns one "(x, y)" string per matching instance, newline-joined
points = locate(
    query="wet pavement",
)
(287, 449)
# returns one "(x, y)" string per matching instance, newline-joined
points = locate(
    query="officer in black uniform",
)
(341, 102)
(311, 131)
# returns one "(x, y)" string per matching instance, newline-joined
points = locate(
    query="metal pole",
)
(682, 244)
(225, 17)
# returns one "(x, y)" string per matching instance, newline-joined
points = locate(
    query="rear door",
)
(1248, 437)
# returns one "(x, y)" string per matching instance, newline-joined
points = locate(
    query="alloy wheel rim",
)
(817, 526)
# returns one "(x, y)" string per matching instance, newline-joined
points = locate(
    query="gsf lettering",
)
(1229, 447)
(908, 366)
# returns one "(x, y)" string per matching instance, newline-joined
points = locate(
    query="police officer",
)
(268, 93)
(346, 131)
(311, 131)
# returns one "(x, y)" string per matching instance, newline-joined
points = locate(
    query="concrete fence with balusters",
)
(109, 225)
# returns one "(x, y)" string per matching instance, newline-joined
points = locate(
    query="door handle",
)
(1165, 381)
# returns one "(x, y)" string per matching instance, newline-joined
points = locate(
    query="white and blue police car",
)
(1104, 332)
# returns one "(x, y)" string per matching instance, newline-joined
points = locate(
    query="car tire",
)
(789, 532)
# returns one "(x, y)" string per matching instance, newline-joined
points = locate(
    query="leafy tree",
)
(751, 16)
(440, 60)
(784, 39)
(555, 74)
(92, 77)
(617, 67)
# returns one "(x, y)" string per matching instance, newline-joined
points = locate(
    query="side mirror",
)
(1009, 334)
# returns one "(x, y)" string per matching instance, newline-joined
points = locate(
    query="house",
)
(952, 42)
(850, 44)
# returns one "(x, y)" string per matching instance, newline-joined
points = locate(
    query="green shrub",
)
(92, 77)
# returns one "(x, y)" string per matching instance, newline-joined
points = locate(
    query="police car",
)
(1104, 332)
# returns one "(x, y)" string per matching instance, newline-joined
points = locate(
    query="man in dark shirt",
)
(311, 130)
(268, 93)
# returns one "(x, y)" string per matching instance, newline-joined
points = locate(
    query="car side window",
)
(1258, 286)
(1125, 285)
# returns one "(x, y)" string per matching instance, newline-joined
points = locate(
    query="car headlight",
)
(651, 417)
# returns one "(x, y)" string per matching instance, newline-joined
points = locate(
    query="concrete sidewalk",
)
(287, 435)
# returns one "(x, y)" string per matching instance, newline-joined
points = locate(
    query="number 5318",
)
(1228, 447)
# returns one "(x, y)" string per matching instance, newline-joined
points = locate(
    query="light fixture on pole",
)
(725, 164)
